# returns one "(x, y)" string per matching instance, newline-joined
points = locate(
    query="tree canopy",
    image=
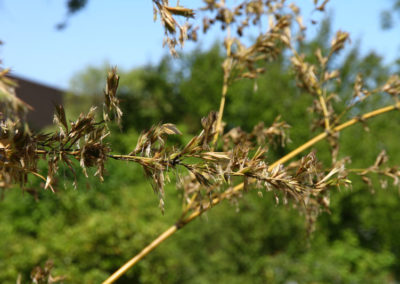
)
(91, 230)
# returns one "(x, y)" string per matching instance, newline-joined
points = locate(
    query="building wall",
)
(41, 98)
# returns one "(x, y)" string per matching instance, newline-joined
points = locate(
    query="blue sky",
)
(122, 32)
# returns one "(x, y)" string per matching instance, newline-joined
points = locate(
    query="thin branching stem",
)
(142, 254)
(221, 109)
(227, 71)
(324, 109)
(322, 95)
(234, 190)
(338, 128)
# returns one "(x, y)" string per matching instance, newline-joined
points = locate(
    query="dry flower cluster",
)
(43, 275)
(219, 165)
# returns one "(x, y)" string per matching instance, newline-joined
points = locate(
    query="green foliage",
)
(91, 231)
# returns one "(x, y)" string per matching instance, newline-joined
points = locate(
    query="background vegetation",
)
(91, 231)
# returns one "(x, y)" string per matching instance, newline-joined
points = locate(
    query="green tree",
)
(89, 232)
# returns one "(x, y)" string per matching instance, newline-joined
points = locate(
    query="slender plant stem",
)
(44, 152)
(142, 254)
(130, 158)
(221, 109)
(227, 72)
(324, 109)
(170, 231)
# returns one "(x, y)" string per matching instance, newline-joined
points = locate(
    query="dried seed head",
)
(338, 42)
